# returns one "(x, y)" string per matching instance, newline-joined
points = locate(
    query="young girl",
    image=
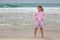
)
(39, 17)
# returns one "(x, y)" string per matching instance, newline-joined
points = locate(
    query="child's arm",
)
(44, 16)
(35, 16)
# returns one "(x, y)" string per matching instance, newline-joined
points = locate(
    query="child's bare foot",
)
(42, 37)
(34, 36)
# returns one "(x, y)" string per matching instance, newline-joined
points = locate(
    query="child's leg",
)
(42, 32)
(35, 31)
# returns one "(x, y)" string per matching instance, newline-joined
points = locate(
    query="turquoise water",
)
(3, 5)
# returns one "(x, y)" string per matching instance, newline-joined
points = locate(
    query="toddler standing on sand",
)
(39, 17)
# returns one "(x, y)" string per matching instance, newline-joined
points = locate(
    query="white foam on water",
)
(50, 10)
(4, 24)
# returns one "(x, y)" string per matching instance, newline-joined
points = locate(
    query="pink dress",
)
(39, 18)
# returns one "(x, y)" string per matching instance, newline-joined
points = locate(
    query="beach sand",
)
(20, 26)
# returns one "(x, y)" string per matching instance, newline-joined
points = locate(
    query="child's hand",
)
(42, 18)
(36, 18)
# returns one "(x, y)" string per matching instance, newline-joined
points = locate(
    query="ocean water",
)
(17, 14)
(29, 5)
